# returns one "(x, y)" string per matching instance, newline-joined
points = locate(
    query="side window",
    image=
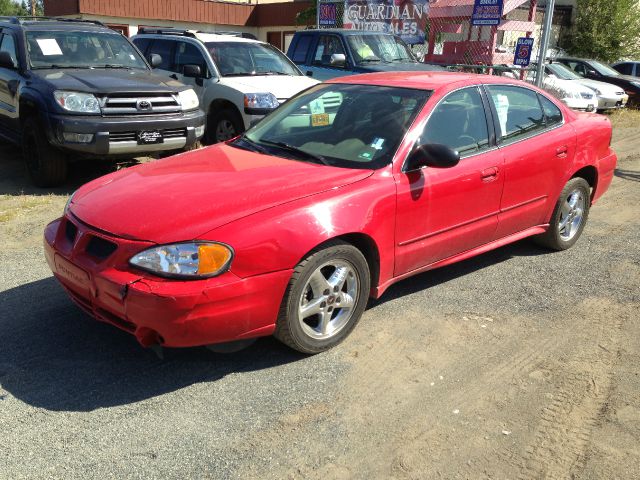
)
(625, 68)
(327, 46)
(299, 54)
(519, 111)
(459, 121)
(142, 44)
(580, 69)
(189, 54)
(164, 48)
(552, 113)
(9, 45)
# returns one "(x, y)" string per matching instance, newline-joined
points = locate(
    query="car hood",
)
(282, 86)
(106, 80)
(185, 196)
(606, 88)
(400, 67)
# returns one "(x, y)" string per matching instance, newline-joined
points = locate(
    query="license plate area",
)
(74, 276)
(150, 137)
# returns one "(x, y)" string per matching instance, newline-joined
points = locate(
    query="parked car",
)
(73, 89)
(595, 70)
(291, 227)
(627, 68)
(330, 53)
(238, 80)
(578, 92)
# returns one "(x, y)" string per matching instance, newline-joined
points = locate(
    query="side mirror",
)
(6, 61)
(432, 155)
(192, 71)
(338, 59)
(155, 60)
(593, 72)
(309, 73)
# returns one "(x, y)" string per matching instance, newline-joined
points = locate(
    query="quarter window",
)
(327, 46)
(459, 122)
(519, 111)
(552, 113)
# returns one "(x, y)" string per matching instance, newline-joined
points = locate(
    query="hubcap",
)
(571, 215)
(328, 299)
(225, 130)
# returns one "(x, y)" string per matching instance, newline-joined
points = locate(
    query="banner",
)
(405, 18)
(487, 12)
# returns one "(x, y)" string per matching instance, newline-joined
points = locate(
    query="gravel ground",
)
(519, 363)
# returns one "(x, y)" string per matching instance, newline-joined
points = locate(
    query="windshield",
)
(603, 69)
(379, 48)
(353, 126)
(240, 59)
(69, 49)
(562, 72)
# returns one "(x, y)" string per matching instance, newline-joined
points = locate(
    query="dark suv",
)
(76, 89)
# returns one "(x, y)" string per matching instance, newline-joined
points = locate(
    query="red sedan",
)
(345, 189)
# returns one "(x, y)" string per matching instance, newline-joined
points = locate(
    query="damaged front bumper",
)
(93, 268)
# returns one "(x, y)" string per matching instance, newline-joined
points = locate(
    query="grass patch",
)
(625, 118)
(12, 206)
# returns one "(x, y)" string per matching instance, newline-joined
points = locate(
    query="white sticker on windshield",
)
(317, 106)
(49, 46)
(502, 107)
(377, 143)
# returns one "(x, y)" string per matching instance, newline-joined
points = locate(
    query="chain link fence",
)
(464, 35)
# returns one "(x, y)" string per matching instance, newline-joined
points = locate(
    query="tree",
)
(606, 30)
(11, 8)
(29, 5)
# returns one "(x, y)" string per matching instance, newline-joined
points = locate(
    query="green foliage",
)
(10, 8)
(606, 30)
(307, 16)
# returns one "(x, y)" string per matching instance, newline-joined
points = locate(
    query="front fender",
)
(278, 238)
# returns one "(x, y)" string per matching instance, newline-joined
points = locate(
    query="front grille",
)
(133, 104)
(115, 320)
(133, 136)
(619, 93)
(70, 231)
(100, 248)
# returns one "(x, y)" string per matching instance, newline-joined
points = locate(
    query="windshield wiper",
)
(60, 67)
(241, 74)
(112, 65)
(297, 151)
(368, 60)
(246, 143)
(270, 72)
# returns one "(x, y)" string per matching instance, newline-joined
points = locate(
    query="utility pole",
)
(544, 41)
(33, 8)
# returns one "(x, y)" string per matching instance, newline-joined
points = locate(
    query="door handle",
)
(489, 174)
(562, 151)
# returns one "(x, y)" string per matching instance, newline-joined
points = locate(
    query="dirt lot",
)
(517, 364)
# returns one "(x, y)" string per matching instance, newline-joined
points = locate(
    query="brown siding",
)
(201, 11)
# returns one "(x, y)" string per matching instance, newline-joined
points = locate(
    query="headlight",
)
(185, 260)
(77, 101)
(259, 103)
(188, 99)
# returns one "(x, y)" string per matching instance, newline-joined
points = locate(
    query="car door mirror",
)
(6, 61)
(432, 155)
(309, 73)
(155, 60)
(593, 72)
(192, 71)
(338, 60)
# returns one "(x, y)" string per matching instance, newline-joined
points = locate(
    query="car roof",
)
(218, 37)
(343, 31)
(427, 80)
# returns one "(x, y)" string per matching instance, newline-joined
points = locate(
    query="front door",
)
(445, 211)
(9, 81)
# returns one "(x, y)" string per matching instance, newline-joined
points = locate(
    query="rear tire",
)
(223, 125)
(325, 298)
(46, 166)
(569, 216)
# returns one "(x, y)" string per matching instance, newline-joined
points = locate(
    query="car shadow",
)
(14, 179)
(438, 276)
(627, 174)
(54, 356)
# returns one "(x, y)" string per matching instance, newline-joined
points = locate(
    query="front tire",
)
(325, 298)
(569, 216)
(224, 125)
(46, 165)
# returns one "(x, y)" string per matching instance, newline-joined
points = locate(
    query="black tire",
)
(289, 329)
(220, 121)
(556, 237)
(46, 166)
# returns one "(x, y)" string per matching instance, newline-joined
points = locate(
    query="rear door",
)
(537, 147)
(445, 211)
(9, 82)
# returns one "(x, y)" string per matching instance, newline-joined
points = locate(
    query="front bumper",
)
(160, 311)
(114, 136)
(586, 105)
(612, 102)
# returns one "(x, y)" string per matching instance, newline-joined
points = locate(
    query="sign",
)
(523, 51)
(487, 12)
(328, 14)
(405, 18)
